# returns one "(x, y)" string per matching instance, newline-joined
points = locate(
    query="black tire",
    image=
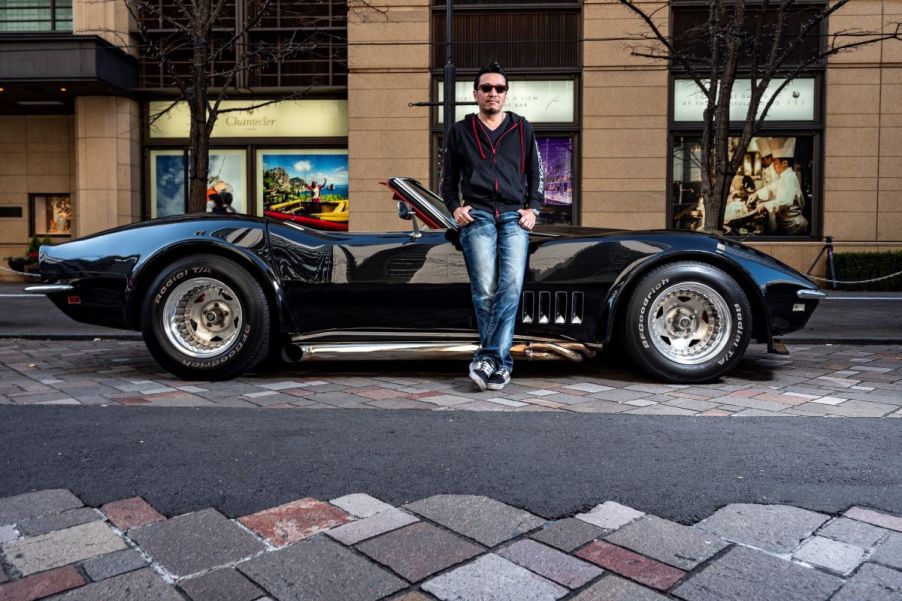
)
(687, 322)
(206, 318)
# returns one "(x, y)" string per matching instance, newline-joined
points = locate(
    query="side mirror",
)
(406, 212)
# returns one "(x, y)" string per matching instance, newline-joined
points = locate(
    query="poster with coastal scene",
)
(311, 185)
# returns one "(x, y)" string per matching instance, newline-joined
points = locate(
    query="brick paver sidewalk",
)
(827, 380)
(357, 548)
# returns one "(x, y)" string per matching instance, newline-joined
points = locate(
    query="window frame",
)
(814, 128)
(33, 214)
(54, 6)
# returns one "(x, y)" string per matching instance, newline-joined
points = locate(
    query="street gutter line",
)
(863, 298)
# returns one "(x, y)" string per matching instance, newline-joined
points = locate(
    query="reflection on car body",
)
(214, 294)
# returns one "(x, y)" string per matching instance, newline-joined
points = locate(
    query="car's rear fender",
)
(619, 294)
(256, 266)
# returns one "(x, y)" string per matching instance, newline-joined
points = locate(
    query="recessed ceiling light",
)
(2, 89)
(62, 89)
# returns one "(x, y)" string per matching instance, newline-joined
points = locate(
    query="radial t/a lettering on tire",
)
(687, 322)
(205, 317)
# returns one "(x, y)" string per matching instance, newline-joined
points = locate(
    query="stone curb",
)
(203, 556)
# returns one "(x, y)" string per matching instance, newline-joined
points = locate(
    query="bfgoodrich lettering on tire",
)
(687, 322)
(205, 317)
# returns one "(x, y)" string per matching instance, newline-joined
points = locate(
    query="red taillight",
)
(74, 300)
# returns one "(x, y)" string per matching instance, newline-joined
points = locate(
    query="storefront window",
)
(51, 214)
(227, 173)
(557, 168)
(550, 106)
(167, 182)
(557, 162)
(771, 194)
(306, 183)
(35, 15)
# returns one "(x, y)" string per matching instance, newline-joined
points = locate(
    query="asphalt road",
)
(34, 316)
(241, 460)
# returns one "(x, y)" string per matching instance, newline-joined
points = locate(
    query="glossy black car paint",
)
(399, 283)
(110, 271)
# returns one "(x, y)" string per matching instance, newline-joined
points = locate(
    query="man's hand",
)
(527, 218)
(462, 216)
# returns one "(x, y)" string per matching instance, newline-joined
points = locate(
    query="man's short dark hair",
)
(490, 68)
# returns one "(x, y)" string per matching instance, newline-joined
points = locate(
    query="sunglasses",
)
(486, 88)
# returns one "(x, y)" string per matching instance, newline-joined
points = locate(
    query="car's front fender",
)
(619, 293)
(764, 280)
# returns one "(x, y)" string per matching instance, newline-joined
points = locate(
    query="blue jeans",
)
(495, 250)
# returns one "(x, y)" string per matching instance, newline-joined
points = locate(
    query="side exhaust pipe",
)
(548, 351)
(348, 351)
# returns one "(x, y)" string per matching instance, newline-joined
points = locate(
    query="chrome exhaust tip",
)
(292, 353)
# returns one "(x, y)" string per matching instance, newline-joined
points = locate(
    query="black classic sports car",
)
(216, 294)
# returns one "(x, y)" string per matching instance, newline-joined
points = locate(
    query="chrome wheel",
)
(689, 323)
(202, 318)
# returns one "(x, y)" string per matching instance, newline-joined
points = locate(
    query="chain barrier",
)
(22, 273)
(831, 280)
(828, 249)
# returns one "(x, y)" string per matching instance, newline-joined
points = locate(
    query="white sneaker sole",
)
(496, 386)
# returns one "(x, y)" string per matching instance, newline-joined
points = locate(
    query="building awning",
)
(44, 73)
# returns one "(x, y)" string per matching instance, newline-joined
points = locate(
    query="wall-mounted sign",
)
(285, 119)
(539, 101)
(795, 102)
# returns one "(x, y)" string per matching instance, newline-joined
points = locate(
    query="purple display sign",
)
(557, 161)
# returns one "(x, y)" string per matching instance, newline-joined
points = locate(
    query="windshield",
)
(434, 199)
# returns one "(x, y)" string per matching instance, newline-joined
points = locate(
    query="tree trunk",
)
(198, 136)
(199, 161)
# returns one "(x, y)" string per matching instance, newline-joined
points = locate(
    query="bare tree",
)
(205, 54)
(762, 41)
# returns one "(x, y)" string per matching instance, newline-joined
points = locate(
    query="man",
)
(785, 209)
(493, 186)
(768, 188)
(768, 173)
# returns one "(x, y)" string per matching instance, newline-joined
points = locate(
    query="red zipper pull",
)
(497, 212)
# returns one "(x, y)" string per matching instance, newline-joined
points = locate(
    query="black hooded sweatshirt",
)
(497, 177)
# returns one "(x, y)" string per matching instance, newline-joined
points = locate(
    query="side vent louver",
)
(554, 308)
(560, 307)
(576, 308)
(528, 309)
(544, 306)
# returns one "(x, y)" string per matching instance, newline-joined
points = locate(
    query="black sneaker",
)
(499, 379)
(480, 372)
